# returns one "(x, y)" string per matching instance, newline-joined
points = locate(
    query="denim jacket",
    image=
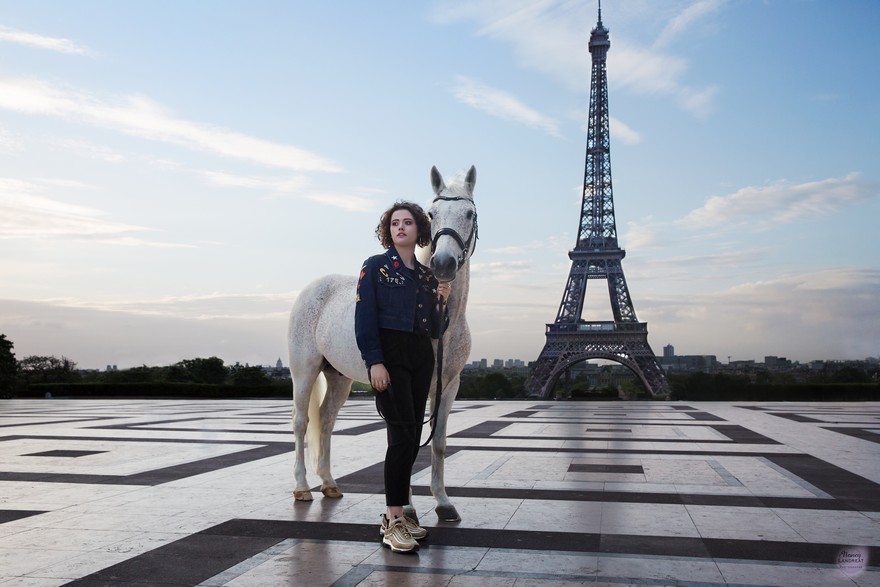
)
(388, 297)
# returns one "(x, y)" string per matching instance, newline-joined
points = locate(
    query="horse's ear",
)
(470, 180)
(437, 181)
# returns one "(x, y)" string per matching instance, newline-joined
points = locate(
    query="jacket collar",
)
(393, 257)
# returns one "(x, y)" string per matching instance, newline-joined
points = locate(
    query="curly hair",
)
(423, 224)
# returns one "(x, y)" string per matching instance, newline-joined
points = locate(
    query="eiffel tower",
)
(597, 255)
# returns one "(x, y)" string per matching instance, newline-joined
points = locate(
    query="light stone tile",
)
(382, 578)
(869, 578)
(835, 527)
(647, 519)
(563, 565)
(16, 562)
(672, 569)
(312, 563)
(79, 566)
(744, 573)
(741, 523)
(557, 516)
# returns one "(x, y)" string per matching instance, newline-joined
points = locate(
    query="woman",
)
(394, 319)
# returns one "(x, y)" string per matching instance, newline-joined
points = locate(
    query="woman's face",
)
(404, 230)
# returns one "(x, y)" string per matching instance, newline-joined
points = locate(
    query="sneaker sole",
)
(382, 535)
(387, 544)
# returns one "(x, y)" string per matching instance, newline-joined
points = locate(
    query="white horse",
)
(324, 356)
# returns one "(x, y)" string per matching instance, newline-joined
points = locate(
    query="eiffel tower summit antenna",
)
(596, 255)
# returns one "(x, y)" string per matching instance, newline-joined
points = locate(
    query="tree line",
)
(18, 376)
(36, 376)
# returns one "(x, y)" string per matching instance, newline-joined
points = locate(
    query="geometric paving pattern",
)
(199, 492)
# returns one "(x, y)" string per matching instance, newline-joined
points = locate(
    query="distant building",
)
(668, 351)
(772, 362)
(706, 363)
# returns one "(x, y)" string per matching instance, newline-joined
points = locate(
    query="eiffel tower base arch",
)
(568, 344)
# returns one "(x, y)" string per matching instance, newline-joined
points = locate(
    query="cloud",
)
(144, 118)
(549, 37)
(348, 202)
(9, 142)
(684, 20)
(26, 213)
(94, 338)
(88, 149)
(296, 187)
(502, 105)
(286, 185)
(825, 314)
(622, 132)
(781, 202)
(195, 307)
(500, 271)
(57, 44)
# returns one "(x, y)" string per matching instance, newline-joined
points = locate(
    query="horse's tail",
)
(313, 430)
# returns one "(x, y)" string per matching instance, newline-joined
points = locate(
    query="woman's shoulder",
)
(377, 259)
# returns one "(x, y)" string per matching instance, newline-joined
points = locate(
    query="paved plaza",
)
(195, 492)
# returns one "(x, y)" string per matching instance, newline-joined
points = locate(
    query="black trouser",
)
(409, 358)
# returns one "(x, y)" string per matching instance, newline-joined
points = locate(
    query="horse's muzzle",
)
(444, 267)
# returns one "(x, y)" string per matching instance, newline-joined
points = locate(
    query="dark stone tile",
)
(794, 417)
(188, 561)
(65, 453)
(653, 545)
(742, 435)
(858, 492)
(860, 433)
(575, 468)
(12, 515)
(156, 476)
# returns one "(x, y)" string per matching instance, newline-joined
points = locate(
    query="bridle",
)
(467, 247)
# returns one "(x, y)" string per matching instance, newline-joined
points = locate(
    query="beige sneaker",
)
(415, 530)
(396, 537)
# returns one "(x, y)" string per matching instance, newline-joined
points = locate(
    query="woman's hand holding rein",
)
(379, 378)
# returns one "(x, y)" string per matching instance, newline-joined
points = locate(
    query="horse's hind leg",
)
(338, 388)
(303, 380)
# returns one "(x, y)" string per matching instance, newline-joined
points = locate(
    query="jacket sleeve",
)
(366, 315)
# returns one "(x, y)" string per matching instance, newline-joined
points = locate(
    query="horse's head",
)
(453, 223)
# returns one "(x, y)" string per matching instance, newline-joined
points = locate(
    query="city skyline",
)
(172, 177)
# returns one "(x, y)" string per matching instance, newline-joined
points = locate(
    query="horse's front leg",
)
(444, 508)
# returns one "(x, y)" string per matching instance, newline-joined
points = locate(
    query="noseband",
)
(467, 247)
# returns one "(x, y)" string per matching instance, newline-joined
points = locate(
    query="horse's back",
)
(321, 326)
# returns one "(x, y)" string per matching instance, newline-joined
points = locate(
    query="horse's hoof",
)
(302, 495)
(410, 512)
(331, 492)
(447, 513)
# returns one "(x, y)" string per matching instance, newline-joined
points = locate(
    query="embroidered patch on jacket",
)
(385, 277)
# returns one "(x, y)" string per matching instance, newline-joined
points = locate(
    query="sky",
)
(172, 174)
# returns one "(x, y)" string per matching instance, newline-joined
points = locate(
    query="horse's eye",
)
(430, 216)
(470, 214)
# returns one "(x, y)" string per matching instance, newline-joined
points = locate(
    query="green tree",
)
(248, 376)
(495, 385)
(47, 369)
(851, 375)
(209, 370)
(8, 367)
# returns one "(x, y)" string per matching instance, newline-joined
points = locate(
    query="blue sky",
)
(172, 174)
